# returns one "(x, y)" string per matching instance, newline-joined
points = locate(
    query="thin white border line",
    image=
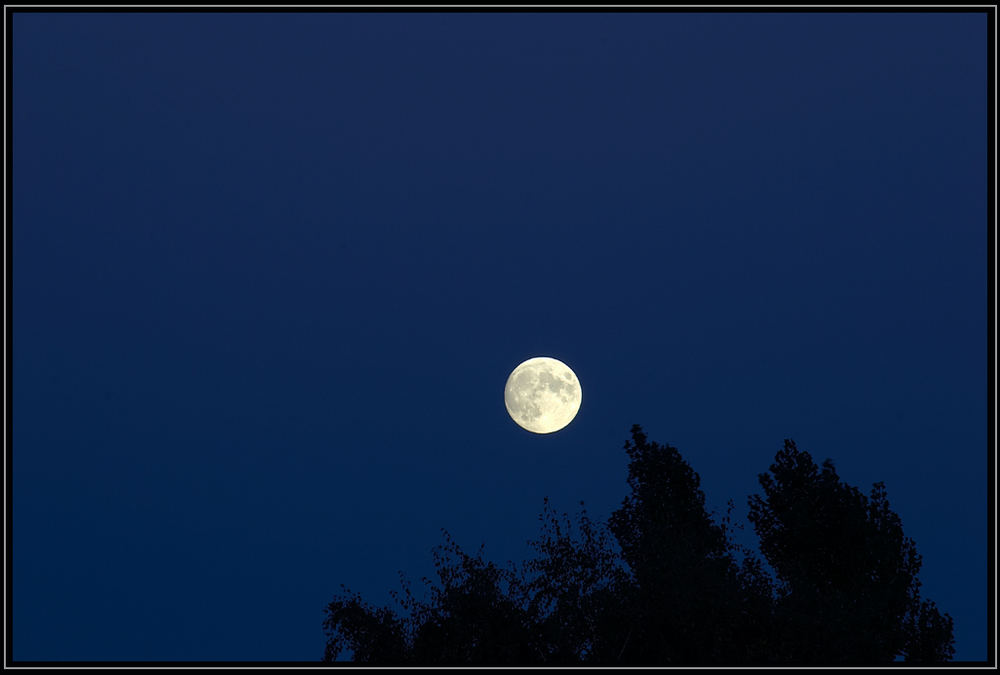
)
(584, 667)
(994, 345)
(7, 649)
(612, 7)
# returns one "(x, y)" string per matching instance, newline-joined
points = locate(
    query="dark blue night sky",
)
(271, 272)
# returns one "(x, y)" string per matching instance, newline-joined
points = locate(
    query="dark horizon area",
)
(271, 271)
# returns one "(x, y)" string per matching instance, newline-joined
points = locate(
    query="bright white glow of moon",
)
(542, 395)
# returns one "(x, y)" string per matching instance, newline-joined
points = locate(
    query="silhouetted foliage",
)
(689, 602)
(663, 583)
(847, 574)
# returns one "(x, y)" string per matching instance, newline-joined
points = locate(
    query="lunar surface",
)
(542, 395)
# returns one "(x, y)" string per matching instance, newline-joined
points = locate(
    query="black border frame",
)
(9, 12)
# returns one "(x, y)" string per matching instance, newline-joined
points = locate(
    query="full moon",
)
(542, 395)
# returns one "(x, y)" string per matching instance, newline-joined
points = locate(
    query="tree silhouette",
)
(848, 575)
(689, 602)
(662, 583)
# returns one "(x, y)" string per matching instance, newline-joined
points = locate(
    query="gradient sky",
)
(271, 272)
